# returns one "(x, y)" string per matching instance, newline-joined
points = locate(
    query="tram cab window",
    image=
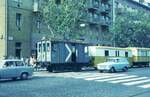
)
(126, 54)
(106, 53)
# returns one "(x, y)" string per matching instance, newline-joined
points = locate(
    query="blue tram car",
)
(63, 55)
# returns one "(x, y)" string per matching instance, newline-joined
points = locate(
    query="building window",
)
(40, 47)
(18, 45)
(106, 53)
(117, 53)
(38, 24)
(104, 28)
(143, 53)
(18, 20)
(44, 47)
(36, 5)
(18, 2)
(126, 54)
(58, 2)
(18, 49)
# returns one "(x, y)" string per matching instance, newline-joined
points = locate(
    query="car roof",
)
(11, 60)
(111, 48)
(116, 58)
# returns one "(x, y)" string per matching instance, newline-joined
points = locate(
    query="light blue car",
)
(113, 64)
(14, 68)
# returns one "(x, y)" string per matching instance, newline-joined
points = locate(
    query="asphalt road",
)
(134, 83)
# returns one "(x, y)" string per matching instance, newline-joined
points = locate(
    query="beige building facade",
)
(21, 26)
(3, 28)
(15, 28)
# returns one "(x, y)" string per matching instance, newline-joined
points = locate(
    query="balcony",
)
(83, 15)
(105, 8)
(91, 17)
(93, 20)
(119, 11)
(106, 1)
(93, 5)
(105, 21)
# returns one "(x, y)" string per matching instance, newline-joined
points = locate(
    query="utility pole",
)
(113, 20)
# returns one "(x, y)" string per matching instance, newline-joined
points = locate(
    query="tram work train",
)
(139, 57)
(73, 55)
(62, 55)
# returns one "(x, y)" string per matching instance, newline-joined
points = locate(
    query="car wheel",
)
(112, 70)
(125, 69)
(101, 71)
(24, 76)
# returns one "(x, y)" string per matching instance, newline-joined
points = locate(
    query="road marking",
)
(128, 80)
(103, 80)
(104, 77)
(124, 79)
(76, 74)
(136, 82)
(145, 86)
(83, 76)
(89, 76)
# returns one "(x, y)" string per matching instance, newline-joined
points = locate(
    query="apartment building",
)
(21, 25)
(95, 21)
(131, 5)
(98, 20)
(15, 28)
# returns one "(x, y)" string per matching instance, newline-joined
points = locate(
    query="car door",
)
(1, 67)
(20, 67)
(8, 70)
(116, 64)
(121, 63)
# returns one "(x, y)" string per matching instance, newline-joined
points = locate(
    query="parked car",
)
(15, 68)
(113, 64)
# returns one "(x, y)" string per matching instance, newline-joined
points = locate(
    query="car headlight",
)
(108, 66)
(98, 66)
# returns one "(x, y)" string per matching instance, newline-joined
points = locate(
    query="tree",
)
(132, 29)
(63, 17)
(141, 1)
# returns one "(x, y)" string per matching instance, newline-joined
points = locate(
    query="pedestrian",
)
(27, 61)
(33, 62)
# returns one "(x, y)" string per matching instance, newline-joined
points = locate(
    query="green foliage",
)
(132, 29)
(63, 18)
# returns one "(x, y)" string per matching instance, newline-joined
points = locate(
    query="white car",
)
(113, 64)
(14, 68)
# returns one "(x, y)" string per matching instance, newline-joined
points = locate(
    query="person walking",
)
(33, 62)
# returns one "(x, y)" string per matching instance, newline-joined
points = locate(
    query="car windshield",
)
(19, 63)
(1, 63)
(112, 60)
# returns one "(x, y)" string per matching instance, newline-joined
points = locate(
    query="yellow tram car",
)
(136, 56)
(140, 56)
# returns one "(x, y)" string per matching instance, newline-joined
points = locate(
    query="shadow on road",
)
(19, 80)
